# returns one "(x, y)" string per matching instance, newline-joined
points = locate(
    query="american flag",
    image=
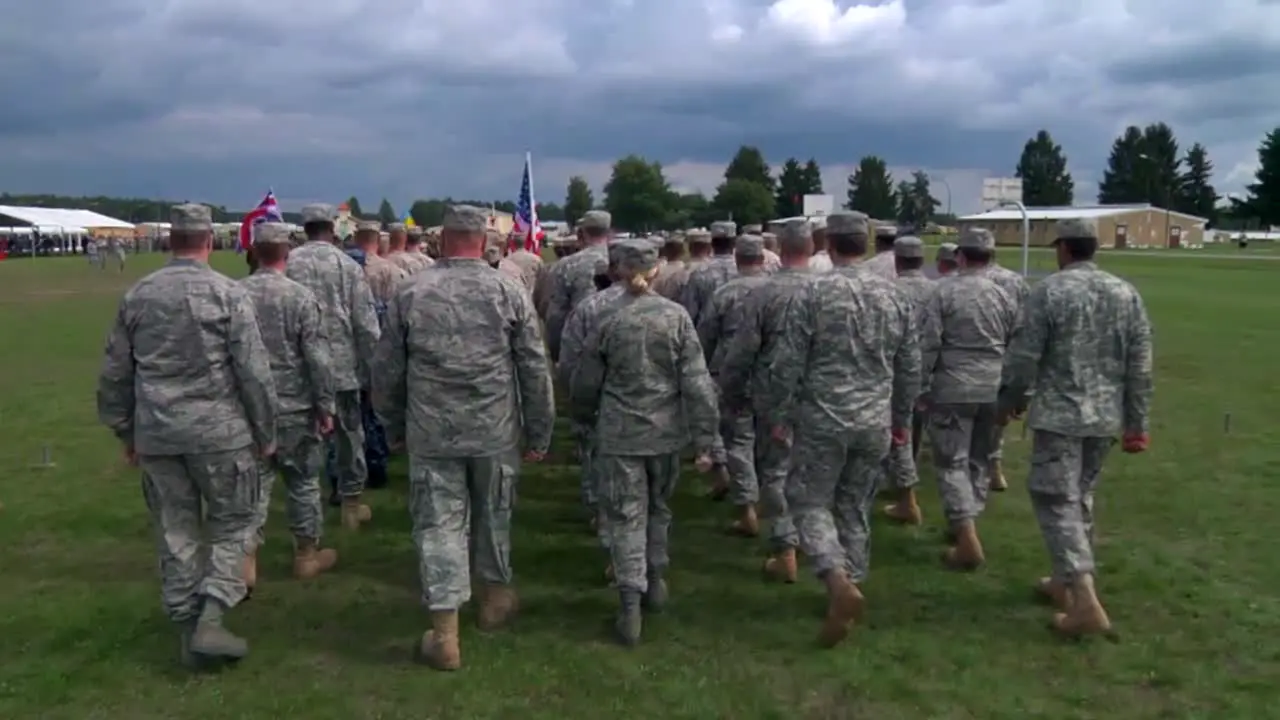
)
(267, 211)
(526, 219)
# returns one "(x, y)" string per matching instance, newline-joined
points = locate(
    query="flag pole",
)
(532, 239)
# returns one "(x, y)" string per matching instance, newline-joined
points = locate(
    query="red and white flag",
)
(267, 211)
(526, 219)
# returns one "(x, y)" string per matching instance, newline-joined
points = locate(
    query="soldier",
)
(842, 382)
(821, 261)
(671, 285)
(672, 270)
(946, 260)
(529, 265)
(772, 261)
(462, 375)
(412, 258)
(742, 377)
(493, 249)
(397, 238)
(967, 326)
(96, 259)
(707, 277)
(571, 280)
(1018, 289)
(288, 317)
(882, 263)
(584, 319)
(351, 327)
(383, 277)
(117, 251)
(1085, 348)
(643, 380)
(900, 469)
(720, 323)
(186, 386)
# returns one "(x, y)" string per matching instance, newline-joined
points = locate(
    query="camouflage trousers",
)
(376, 452)
(962, 435)
(461, 510)
(584, 435)
(738, 436)
(1063, 478)
(97, 260)
(772, 463)
(900, 466)
(635, 496)
(202, 511)
(298, 461)
(997, 445)
(345, 464)
(831, 488)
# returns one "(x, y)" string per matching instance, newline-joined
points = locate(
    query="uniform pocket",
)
(1054, 467)
(505, 492)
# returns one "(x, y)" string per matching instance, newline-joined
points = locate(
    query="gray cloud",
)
(409, 98)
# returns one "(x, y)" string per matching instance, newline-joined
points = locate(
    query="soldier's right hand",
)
(324, 424)
(1134, 443)
(130, 456)
(703, 463)
(267, 452)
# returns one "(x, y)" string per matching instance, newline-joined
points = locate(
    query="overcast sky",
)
(217, 100)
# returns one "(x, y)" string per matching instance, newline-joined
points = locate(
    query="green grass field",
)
(1187, 557)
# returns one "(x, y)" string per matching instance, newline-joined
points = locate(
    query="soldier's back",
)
(383, 276)
(326, 271)
(281, 306)
(458, 319)
(186, 389)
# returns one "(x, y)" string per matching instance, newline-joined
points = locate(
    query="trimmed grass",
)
(1186, 547)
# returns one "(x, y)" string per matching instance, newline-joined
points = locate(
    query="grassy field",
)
(1187, 556)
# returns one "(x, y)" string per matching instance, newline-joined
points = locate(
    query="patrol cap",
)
(848, 222)
(818, 223)
(947, 252)
(271, 233)
(369, 226)
(749, 247)
(908, 247)
(465, 218)
(976, 239)
(886, 232)
(415, 233)
(752, 229)
(596, 220)
(724, 229)
(634, 256)
(1075, 229)
(770, 239)
(697, 236)
(191, 217)
(396, 227)
(317, 212)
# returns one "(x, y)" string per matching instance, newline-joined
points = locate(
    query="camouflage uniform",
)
(584, 319)
(916, 290)
(383, 276)
(288, 317)
(671, 278)
(412, 259)
(462, 379)
(186, 384)
(743, 375)
(642, 377)
(846, 369)
(529, 268)
(1085, 348)
(1018, 289)
(721, 320)
(572, 279)
(967, 326)
(351, 326)
(117, 252)
(946, 254)
(706, 278)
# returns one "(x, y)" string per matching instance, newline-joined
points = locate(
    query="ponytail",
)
(638, 284)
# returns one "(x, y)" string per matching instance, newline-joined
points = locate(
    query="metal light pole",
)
(946, 185)
(1026, 234)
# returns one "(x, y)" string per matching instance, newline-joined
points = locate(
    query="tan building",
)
(1119, 226)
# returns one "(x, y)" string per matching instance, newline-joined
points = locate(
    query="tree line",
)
(1145, 165)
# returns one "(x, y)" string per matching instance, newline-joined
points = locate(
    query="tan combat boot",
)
(438, 648)
(355, 513)
(608, 575)
(1084, 614)
(1053, 592)
(905, 510)
(310, 561)
(498, 604)
(845, 606)
(966, 554)
(747, 524)
(781, 566)
(996, 470)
